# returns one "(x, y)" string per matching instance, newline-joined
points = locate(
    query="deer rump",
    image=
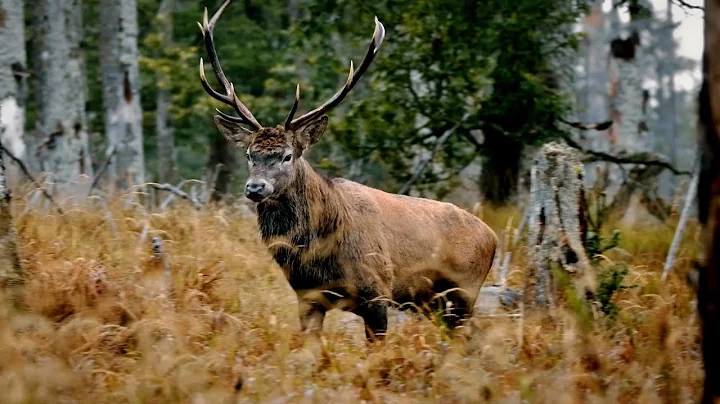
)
(344, 245)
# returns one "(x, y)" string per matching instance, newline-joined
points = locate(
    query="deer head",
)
(273, 152)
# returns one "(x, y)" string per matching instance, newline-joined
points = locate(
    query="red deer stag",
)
(339, 243)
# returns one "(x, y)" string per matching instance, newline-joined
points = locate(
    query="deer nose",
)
(256, 190)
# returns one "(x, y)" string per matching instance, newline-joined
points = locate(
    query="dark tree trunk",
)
(224, 154)
(708, 284)
(500, 171)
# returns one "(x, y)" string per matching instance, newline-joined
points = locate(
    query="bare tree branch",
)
(645, 158)
(178, 192)
(25, 171)
(684, 4)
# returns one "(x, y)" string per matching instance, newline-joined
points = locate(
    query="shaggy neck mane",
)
(310, 209)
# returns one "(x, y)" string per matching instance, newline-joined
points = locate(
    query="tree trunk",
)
(670, 110)
(13, 68)
(499, 175)
(596, 74)
(628, 101)
(61, 91)
(166, 153)
(224, 153)
(708, 285)
(11, 275)
(121, 91)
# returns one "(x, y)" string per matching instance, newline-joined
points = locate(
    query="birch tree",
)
(121, 91)
(11, 274)
(60, 95)
(13, 65)
(596, 79)
(629, 102)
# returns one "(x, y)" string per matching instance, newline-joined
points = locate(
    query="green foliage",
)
(598, 212)
(576, 303)
(442, 61)
(483, 67)
(597, 244)
(610, 278)
(610, 281)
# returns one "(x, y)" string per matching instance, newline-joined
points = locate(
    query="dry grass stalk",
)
(96, 330)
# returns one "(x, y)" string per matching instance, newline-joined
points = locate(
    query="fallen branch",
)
(644, 158)
(109, 219)
(108, 158)
(178, 192)
(504, 270)
(691, 192)
(25, 171)
(210, 188)
(521, 226)
(171, 196)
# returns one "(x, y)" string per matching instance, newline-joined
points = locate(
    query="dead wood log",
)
(689, 201)
(192, 197)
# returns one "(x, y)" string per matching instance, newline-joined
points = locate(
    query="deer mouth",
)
(257, 198)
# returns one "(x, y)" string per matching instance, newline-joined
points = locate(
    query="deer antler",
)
(245, 116)
(353, 78)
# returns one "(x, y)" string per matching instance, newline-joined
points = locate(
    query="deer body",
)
(359, 244)
(341, 244)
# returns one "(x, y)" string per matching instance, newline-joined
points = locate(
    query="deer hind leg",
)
(373, 311)
(452, 304)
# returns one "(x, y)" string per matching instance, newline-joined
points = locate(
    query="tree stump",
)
(557, 224)
(11, 274)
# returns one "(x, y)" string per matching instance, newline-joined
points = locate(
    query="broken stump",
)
(556, 224)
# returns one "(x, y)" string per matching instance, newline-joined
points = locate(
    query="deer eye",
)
(287, 158)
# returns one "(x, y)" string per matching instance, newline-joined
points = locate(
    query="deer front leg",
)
(374, 312)
(311, 318)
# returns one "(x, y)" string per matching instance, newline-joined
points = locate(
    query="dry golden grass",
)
(99, 328)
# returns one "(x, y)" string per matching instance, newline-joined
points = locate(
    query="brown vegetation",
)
(100, 328)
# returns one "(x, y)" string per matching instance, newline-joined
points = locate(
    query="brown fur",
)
(342, 244)
(362, 244)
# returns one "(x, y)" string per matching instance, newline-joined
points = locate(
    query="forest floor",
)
(99, 328)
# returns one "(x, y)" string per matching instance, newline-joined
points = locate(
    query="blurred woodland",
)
(457, 103)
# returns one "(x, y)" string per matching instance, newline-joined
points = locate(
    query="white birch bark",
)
(121, 91)
(13, 66)
(61, 94)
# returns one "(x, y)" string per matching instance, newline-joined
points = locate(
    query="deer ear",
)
(233, 132)
(312, 132)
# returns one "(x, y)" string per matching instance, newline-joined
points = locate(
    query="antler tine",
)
(288, 121)
(208, 89)
(245, 116)
(353, 78)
